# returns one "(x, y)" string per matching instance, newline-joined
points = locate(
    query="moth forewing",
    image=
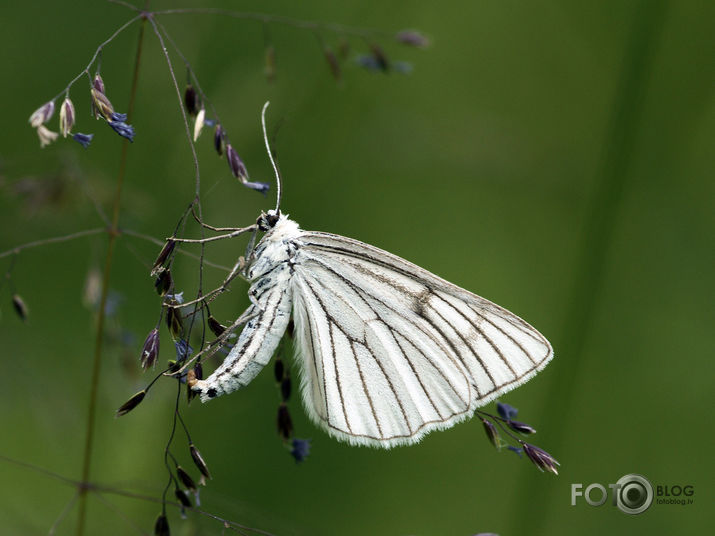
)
(406, 352)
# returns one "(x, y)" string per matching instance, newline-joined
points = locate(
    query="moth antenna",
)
(270, 155)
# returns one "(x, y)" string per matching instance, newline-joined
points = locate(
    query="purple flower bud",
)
(98, 83)
(20, 308)
(199, 461)
(219, 139)
(520, 427)
(167, 250)
(412, 38)
(124, 130)
(116, 116)
(300, 449)
(199, 370)
(285, 424)
(492, 432)
(150, 350)
(506, 411)
(42, 114)
(83, 139)
(191, 100)
(101, 105)
(542, 459)
(235, 164)
(164, 282)
(161, 526)
(130, 404)
(278, 369)
(185, 479)
(238, 170)
(173, 319)
(215, 326)
(66, 117)
(182, 497)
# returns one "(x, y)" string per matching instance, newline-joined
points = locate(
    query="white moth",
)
(387, 351)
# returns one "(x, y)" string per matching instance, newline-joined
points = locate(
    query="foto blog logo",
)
(632, 494)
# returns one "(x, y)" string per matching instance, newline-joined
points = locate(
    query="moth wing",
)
(390, 352)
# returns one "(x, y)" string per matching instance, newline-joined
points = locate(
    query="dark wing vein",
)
(363, 293)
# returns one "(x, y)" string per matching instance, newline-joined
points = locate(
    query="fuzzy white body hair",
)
(271, 295)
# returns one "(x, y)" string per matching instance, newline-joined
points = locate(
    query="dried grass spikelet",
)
(67, 117)
(42, 114)
(199, 123)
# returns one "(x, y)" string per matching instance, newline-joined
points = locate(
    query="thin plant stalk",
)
(97, 362)
(53, 240)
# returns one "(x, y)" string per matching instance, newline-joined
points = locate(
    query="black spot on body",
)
(211, 393)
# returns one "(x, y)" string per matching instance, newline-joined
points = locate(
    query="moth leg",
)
(212, 295)
(232, 234)
(211, 227)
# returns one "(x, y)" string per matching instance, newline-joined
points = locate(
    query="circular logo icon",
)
(634, 494)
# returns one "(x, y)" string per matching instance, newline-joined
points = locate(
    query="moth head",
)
(267, 220)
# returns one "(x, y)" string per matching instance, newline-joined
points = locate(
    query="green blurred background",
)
(555, 157)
